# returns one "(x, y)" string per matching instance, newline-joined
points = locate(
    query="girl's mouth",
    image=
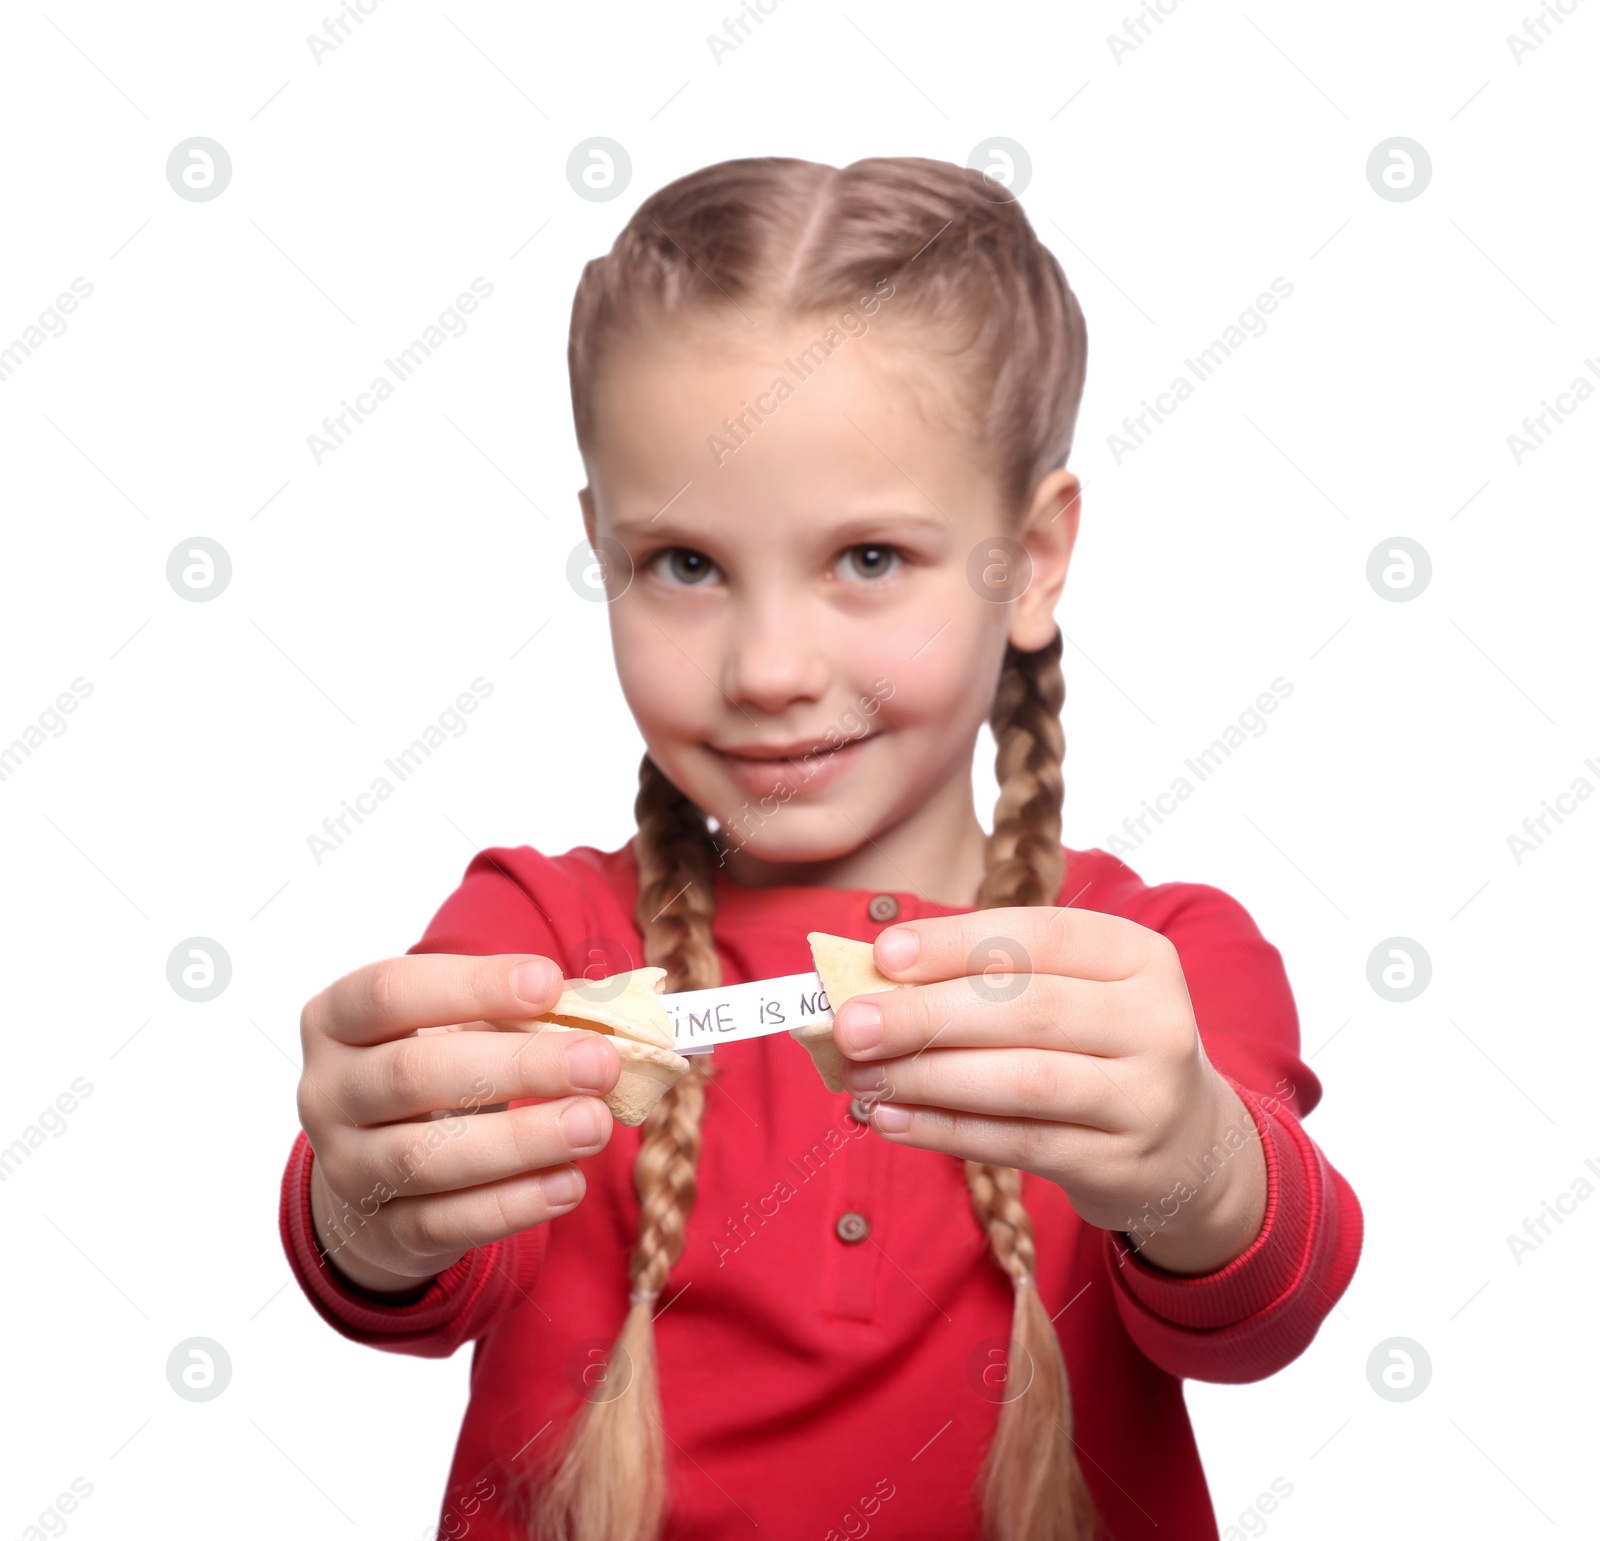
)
(789, 770)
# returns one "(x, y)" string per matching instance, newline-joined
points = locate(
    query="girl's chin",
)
(810, 838)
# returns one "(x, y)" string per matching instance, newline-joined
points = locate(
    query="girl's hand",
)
(1081, 1063)
(415, 1162)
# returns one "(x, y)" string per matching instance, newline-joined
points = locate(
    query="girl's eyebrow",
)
(852, 530)
(884, 521)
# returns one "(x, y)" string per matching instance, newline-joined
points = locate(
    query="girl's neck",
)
(938, 853)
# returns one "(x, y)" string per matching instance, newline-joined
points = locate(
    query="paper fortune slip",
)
(704, 1019)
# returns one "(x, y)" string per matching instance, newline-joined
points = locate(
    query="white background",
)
(430, 148)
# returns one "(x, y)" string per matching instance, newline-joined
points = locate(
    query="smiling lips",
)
(765, 770)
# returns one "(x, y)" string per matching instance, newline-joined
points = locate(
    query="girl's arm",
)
(1144, 1057)
(1257, 1313)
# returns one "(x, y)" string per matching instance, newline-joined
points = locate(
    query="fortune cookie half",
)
(846, 969)
(627, 1008)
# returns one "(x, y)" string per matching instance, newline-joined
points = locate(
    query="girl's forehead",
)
(737, 423)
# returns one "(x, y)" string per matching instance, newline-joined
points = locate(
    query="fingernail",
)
(535, 981)
(859, 1025)
(582, 1124)
(863, 1078)
(588, 1063)
(897, 949)
(561, 1188)
(891, 1119)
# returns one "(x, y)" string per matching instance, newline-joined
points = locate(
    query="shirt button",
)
(852, 1228)
(860, 1111)
(883, 908)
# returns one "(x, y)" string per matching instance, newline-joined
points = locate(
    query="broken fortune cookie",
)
(846, 969)
(627, 1008)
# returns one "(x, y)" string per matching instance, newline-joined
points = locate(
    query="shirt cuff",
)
(456, 1306)
(1257, 1313)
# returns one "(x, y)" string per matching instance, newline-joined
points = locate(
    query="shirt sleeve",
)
(462, 1304)
(495, 909)
(1258, 1313)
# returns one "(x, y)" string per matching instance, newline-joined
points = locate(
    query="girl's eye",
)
(868, 562)
(681, 565)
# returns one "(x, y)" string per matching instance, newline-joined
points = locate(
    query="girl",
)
(825, 417)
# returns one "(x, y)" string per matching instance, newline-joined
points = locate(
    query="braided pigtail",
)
(1024, 865)
(1033, 1488)
(611, 1483)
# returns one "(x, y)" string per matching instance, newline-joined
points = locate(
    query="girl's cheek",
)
(661, 686)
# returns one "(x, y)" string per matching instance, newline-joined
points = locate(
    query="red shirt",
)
(804, 1377)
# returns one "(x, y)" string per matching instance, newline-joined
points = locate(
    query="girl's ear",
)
(1048, 535)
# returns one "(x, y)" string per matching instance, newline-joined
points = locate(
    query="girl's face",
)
(818, 608)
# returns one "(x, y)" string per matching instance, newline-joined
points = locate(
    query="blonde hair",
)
(969, 275)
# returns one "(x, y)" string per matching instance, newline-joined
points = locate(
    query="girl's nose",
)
(774, 659)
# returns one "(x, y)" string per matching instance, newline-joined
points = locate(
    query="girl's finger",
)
(392, 999)
(439, 1224)
(466, 1071)
(1007, 1083)
(1030, 1145)
(444, 1155)
(1045, 1011)
(1083, 944)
